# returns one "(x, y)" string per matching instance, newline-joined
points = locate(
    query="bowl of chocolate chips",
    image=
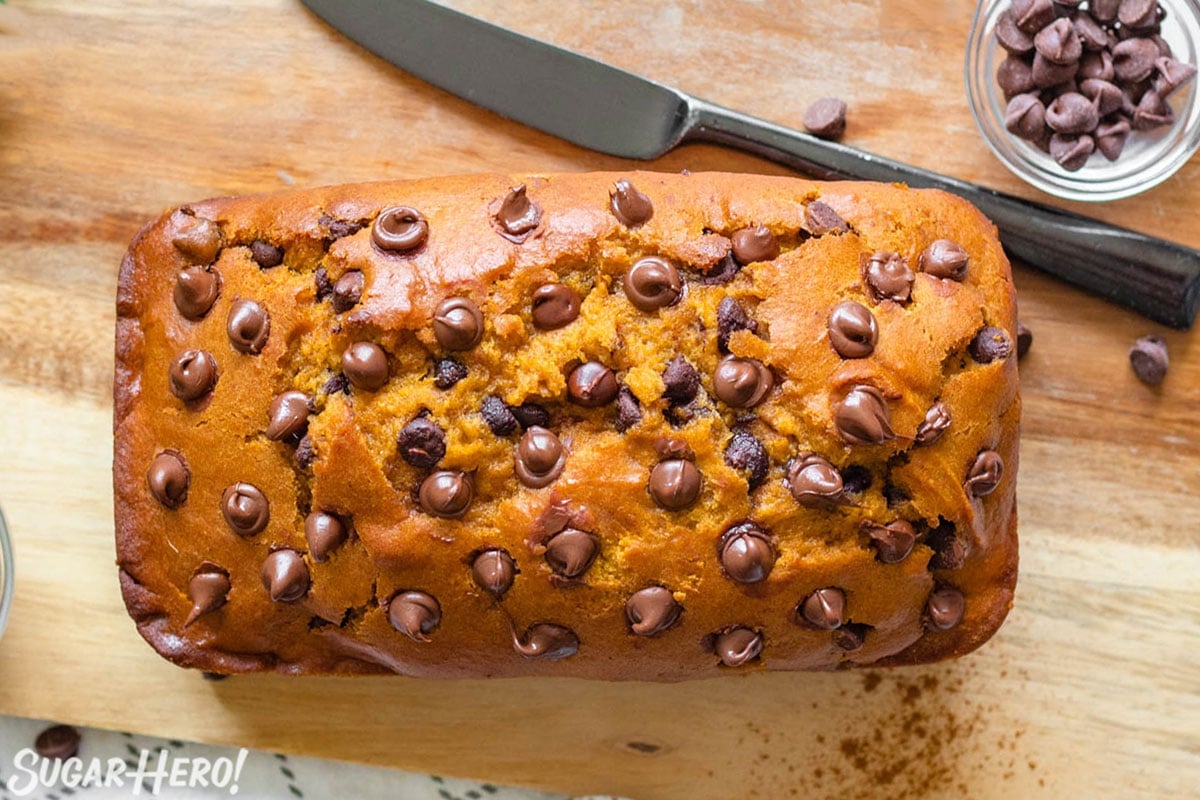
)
(1087, 99)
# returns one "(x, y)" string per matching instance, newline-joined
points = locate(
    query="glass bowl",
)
(1149, 157)
(6, 574)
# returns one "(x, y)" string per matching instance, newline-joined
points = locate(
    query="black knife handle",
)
(1154, 277)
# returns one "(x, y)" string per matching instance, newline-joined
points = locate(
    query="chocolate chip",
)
(722, 272)
(516, 215)
(1010, 37)
(169, 478)
(826, 118)
(446, 493)
(540, 458)
(213, 676)
(324, 532)
(547, 641)
(1014, 77)
(494, 571)
(208, 590)
(984, 475)
(651, 611)
(458, 324)
(1024, 339)
(653, 283)
(737, 645)
(323, 284)
(338, 228)
(1104, 10)
(945, 608)
(415, 614)
(447, 372)
(824, 609)
(1149, 360)
(348, 291)
(591, 384)
(1025, 117)
(945, 258)
(1096, 67)
(892, 542)
(856, 479)
(192, 375)
(365, 365)
(629, 206)
(675, 484)
(287, 416)
(747, 555)
(629, 413)
(949, 551)
(1171, 75)
(554, 306)
(337, 384)
(1138, 14)
(1032, 15)
(937, 420)
(851, 636)
(732, 317)
(852, 330)
(1134, 59)
(887, 276)
(422, 443)
(530, 415)
(1072, 113)
(747, 454)
(1105, 96)
(1091, 36)
(1070, 151)
(570, 552)
(1152, 112)
(754, 244)
(820, 219)
(742, 382)
(245, 509)
(248, 326)
(196, 238)
(58, 742)
(265, 254)
(399, 230)
(990, 344)
(1058, 43)
(863, 417)
(895, 495)
(1046, 73)
(196, 289)
(305, 455)
(285, 576)
(1111, 137)
(681, 380)
(498, 416)
(814, 482)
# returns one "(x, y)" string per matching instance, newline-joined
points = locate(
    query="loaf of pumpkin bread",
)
(616, 426)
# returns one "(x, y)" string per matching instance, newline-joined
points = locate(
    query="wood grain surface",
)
(111, 111)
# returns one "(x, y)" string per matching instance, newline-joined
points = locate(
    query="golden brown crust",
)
(342, 623)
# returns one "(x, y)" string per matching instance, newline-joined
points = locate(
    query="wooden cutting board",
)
(111, 111)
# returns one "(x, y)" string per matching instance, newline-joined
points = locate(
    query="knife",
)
(603, 108)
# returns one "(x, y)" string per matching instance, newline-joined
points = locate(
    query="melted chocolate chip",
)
(892, 542)
(265, 254)
(570, 552)
(498, 416)
(324, 532)
(208, 590)
(337, 384)
(516, 215)
(629, 413)
(824, 609)
(722, 272)
(754, 244)
(747, 454)
(863, 417)
(169, 478)
(1149, 359)
(192, 375)
(399, 230)
(415, 614)
(245, 509)
(852, 330)
(629, 206)
(494, 571)
(530, 415)
(747, 555)
(323, 285)
(742, 382)
(732, 317)
(651, 611)
(447, 372)
(196, 238)
(681, 380)
(814, 482)
(285, 576)
(945, 608)
(59, 742)
(422, 443)
(887, 276)
(652, 283)
(737, 645)
(348, 291)
(196, 289)
(984, 475)
(555, 305)
(851, 636)
(365, 364)
(820, 219)
(547, 641)
(937, 420)
(945, 259)
(305, 455)
(949, 551)
(675, 484)
(248, 326)
(540, 458)
(287, 416)
(458, 324)
(591, 385)
(856, 479)
(447, 494)
(338, 228)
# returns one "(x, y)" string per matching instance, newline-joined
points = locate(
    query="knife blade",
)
(613, 111)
